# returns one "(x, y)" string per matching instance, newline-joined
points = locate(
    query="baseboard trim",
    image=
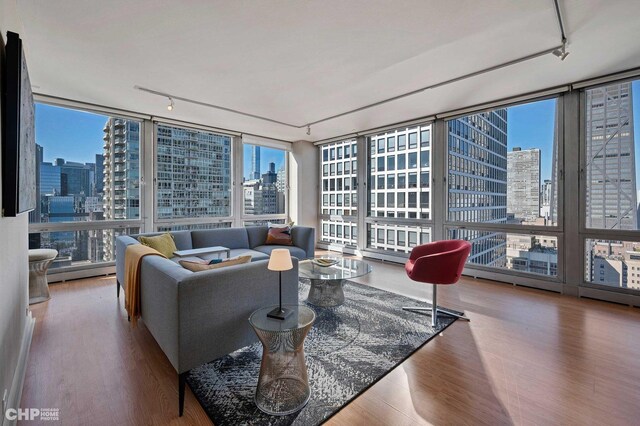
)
(15, 393)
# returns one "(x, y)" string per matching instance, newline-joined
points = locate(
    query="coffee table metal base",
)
(326, 293)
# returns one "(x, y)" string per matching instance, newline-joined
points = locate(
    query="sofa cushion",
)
(232, 238)
(279, 235)
(203, 265)
(177, 259)
(181, 238)
(295, 251)
(255, 255)
(162, 243)
(257, 235)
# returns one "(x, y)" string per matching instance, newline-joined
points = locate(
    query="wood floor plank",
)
(527, 357)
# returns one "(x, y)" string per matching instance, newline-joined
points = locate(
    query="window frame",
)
(242, 217)
(331, 240)
(392, 223)
(585, 233)
(157, 222)
(557, 230)
(90, 269)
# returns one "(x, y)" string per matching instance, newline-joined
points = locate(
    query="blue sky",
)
(77, 135)
(69, 134)
(267, 155)
(531, 126)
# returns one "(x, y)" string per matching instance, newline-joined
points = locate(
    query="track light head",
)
(170, 106)
(561, 53)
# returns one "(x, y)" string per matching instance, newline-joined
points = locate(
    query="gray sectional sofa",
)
(196, 317)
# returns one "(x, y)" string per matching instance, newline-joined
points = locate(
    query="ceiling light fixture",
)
(561, 53)
(170, 106)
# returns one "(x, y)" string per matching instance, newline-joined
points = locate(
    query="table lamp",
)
(280, 260)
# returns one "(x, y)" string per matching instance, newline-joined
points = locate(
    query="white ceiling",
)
(299, 61)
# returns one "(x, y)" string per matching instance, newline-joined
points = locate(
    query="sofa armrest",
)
(305, 238)
(214, 308)
(121, 247)
(160, 279)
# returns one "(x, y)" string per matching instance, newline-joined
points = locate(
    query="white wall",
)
(14, 277)
(303, 184)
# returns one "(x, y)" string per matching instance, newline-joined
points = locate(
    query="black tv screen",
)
(18, 132)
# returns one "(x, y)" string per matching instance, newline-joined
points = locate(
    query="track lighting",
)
(561, 53)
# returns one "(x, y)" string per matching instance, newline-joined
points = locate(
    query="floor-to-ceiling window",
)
(87, 184)
(264, 184)
(91, 184)
(399, 189)
(338, 193)
(502, 186)
(193, 178)
(610, 147)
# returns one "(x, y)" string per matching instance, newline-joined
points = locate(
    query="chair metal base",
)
(444, 311)
(435, 309)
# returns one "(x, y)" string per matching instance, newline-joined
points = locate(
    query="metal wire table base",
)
(283, 384)
(326, 293)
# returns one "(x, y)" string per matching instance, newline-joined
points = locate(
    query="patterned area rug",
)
(348, 349)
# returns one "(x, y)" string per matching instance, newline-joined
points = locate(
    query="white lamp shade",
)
(280, 260)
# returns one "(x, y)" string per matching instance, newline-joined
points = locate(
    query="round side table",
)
(39, 261)
(283, 385)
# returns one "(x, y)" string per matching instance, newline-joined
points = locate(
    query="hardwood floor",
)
(526, 357)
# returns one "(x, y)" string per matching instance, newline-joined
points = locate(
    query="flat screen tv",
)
(18, 132)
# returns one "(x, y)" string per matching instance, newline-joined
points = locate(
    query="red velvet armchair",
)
(437, 263)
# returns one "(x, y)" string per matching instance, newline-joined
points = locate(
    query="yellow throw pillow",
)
(163, 243)
(205, 266)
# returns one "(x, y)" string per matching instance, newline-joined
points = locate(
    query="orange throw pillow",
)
(279, 235)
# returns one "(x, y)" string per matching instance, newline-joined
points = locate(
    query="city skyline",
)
(479, 146)
(82, 145)
(52, 123)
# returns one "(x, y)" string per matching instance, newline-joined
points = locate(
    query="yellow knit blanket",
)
(132, 260)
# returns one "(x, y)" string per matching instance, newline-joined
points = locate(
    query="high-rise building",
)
(545, 199)
(98, 179)
(75, 178)
(255, 162)
(523, 189)
(194, 173)
(478, 182)
(120, 176)
(121, 169)
(610, 158)
(281, 180)
(50, 179)
(271, 176)
(339, 192)
(262, 198)
(35, 215)
(399, 187)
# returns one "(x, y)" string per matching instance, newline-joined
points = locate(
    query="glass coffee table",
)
(283, 384)
(327, 281)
